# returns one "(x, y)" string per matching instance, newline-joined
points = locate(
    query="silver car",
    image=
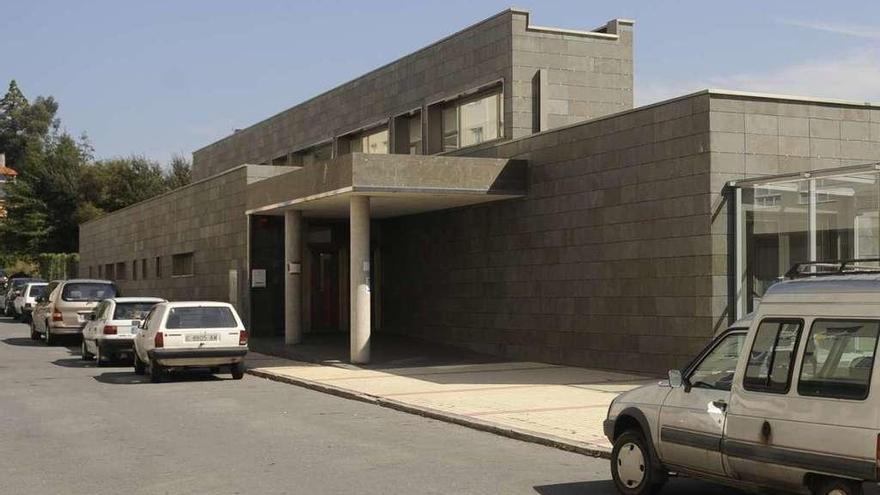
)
(65, 308)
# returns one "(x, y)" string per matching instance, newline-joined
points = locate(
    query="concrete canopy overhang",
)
(397, 185)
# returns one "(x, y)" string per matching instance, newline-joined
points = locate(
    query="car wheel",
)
(139, 366)
(155, 371)
(237, 370)
(35, 335)
(84, 353)
(100, 359)
(632, 465)
(836, 486)
(50, 340)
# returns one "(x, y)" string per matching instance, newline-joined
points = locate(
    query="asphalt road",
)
(69, 427)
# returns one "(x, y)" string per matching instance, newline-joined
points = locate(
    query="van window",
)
(88, 291)
(839, 359)
(771, 357)
(716, 370)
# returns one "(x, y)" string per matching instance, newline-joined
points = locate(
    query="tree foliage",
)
(60, 185)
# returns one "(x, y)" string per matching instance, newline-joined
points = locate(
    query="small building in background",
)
(6, 175)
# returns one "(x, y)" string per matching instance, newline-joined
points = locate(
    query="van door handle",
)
(720, 404)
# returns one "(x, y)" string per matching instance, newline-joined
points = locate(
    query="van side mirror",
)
(676, 379)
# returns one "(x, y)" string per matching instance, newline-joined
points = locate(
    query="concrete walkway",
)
(560, 406)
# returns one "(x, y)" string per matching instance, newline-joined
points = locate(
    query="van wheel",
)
(237, 370)
(139, 366)
(84, 353)
(836, 486)
(155, 371)
(632, 466)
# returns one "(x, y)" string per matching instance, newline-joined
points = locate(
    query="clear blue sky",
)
(158, 78)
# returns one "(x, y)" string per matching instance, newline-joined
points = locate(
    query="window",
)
(132, 310)
(90, 272)
(134, 269)
(120, 271)
(144, 268)
(108, 271)
(158, 267)
(100, 271)
(280, 161)
(182, 265)
(717, 368)
(373, 142)
(769, 365)
(313, 155)
(87, 291)
(415, 134)
(473, 121)
(839, 359)
(201, 317)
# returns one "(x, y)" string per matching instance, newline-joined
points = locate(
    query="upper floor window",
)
(472, 121)
(315, 154)
(372, 142)
(415, 134)
(182, 265)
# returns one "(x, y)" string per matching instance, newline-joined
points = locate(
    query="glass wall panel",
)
(415, 134)
(373, 142)
(847, 217)
(777, 233)
(480, 120)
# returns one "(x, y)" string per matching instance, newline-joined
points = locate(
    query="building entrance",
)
(325, 286)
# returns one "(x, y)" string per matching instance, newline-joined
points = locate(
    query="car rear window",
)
(201, 317)
(37, 290)
(132, 310)
(839, 359)
(88, 291)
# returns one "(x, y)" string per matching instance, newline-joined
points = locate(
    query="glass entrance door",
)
(325, 289)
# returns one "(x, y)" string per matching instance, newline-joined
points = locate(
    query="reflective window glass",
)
(839, 359)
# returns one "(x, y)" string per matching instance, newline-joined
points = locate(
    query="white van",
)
(797, 411)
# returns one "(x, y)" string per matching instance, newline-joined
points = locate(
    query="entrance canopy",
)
(397, 185)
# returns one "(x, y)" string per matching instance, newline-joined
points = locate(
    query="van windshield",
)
(201, 317)
(132, 310)
(88, 291)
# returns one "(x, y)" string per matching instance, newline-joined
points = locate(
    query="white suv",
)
(188, 335)
(111, 327)
(797, 411)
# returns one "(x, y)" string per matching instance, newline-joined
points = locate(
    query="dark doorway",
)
(267, 253)
(325, 288)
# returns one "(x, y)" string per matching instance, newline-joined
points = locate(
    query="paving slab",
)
(560, 406)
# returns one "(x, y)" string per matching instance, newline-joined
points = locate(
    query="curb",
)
(476, 424)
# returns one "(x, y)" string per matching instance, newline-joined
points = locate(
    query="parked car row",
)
(157, 335)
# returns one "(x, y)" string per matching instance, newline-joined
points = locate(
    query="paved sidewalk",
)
(554, 405)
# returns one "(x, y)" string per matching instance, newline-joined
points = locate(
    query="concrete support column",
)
(293, 313)
(359, 276)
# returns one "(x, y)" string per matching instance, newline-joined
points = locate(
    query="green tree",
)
(179, 173)
(25, 126)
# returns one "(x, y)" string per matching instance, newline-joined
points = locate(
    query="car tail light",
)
(110, 329)
(242, 337)
(877, 457)
(159, 340)
(56, 316)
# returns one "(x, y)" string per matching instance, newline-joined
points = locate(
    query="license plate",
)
(204, 337)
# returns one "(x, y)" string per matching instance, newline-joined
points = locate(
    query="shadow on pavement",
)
(130, 378)
(681, 486)
(23, 342)
(76, 362)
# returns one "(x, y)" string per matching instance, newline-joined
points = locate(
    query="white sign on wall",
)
(258, 278)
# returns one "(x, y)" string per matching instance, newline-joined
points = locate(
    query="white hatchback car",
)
(792, 402)
(111, 327)
(26, 300)
(179, 335)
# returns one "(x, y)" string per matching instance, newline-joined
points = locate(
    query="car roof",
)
(37, 283)
(195, 304)
(86, 281)
(135, 299)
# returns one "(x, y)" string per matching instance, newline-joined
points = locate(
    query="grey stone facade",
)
(205, 218)
(588, 74)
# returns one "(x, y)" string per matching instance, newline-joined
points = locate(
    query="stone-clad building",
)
(497, 191)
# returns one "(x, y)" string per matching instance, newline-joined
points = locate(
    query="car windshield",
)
(88, 291)
(132, 310)
(37, 290)
(201, 317)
